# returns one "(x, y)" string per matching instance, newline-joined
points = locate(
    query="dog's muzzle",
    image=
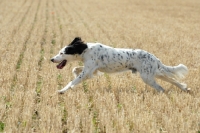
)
(52, 59)
(61, 64)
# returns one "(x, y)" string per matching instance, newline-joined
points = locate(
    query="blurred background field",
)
(33, 31)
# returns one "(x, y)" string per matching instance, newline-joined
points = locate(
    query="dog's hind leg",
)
(182, 86)
(147, 73)
(150, 80)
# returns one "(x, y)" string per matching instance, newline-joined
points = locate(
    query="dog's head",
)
(69, 53)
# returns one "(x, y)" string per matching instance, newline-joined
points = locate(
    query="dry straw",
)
(33, 31)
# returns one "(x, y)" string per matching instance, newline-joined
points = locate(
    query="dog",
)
(98, 57)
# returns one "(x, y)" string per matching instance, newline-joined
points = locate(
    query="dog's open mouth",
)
(62, 64)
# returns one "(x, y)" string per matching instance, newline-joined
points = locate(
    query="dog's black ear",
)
(76, 39)
(70, 50)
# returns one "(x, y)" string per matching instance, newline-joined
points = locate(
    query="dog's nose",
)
(52, 60)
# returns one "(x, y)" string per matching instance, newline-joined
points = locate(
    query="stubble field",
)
(33, 31)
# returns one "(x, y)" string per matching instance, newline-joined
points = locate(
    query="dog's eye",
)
(61, 53)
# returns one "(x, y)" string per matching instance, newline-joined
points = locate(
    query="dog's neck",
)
(78, 57)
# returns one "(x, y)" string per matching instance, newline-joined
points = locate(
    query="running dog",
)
(98, 57)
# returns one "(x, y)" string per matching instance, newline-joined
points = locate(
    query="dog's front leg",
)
(77, 70)
(65, 88)
(84, 75)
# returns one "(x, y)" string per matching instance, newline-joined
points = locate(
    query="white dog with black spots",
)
(98, 57)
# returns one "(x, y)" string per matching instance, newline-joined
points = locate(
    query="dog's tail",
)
(177, 72)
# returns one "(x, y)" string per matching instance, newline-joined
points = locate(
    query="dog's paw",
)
(161, 91)
(188, 90)
(60, 92)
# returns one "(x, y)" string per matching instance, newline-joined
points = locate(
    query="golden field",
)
(33, 31)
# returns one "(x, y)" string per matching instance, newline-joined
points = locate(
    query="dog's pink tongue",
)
(62, 64)
(59, 66)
